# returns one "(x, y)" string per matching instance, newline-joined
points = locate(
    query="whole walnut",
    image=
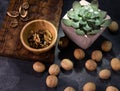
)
(111, 88)
(69, 88)
(67, 64)
(54, 69)
(51, 81)
(106, 46)
(91, 65)
(79, 54)
(115, 64)
(97, 55)
(89, 86)
(39, 67)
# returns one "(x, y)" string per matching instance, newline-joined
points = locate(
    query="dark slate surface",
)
(18, 75)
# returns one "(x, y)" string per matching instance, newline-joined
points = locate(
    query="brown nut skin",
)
(97, 55)
(79, 54)
(115, 64)
(105, 74)
(38, 67)
(54, 69)
(113, 27)
(89, 86)
(67, 64)
(51, 81)
(111, 88)
(91, 65)
(106, 46)
(69, 89)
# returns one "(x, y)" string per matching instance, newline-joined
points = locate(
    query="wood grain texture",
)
(10, 44)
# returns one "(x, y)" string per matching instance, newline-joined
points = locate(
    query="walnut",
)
(105, 74)
(51, 81)
(112, 88)
(69, 89)
(38, 67)
(54, 69)
(79, 54)
(115, 64)
(96, 55)
(67, 64)
(113, 27)
(89, 86)
(106, 46)
(91, 65)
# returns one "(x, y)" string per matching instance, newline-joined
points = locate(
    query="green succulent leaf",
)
(95, 4)
(87, 27)
(67, 22)
(106, 23)
(71, 14)
(76, 5)
(75, 24)
(93, 32)
(98, 22)
(102, 14)
(79, 32)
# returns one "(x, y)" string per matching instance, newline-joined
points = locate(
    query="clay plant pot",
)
(83, 41)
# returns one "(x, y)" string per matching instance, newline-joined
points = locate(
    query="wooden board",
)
(10, 44)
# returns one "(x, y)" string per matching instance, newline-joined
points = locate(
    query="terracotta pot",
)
(38, 25)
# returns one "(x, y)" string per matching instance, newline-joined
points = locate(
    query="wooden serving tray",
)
(10, 44)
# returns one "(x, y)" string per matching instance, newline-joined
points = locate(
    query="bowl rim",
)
(41, 49)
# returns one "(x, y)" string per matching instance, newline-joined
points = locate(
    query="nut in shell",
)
(39, 67)
(69, 88)
(54, 69)
(105, 74)
(13, 13)
(89, 86)
(51, 81)
(67, 64)
(112, 88)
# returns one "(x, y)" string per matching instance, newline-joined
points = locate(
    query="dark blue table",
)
(18, 75)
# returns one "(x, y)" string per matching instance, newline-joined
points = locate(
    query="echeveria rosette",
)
(86, 19)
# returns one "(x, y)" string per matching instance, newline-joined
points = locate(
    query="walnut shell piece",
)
(13, 13)
(39, 67)
(14, 23)
(25, 5)
(105, 74)
(54, 69)
(51, 81)
(67, 64)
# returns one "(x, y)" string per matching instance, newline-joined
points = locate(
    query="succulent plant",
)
(86, 19)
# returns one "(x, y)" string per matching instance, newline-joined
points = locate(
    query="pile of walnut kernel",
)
(39, 38)
(90, 65)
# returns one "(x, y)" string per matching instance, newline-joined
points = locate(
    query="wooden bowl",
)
(38, 25)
